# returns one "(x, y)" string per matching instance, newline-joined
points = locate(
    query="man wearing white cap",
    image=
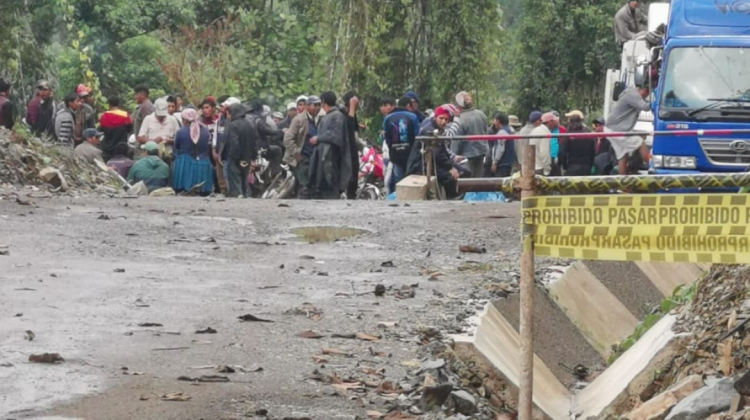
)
(158, 128)
(301, 104)
(291, 112)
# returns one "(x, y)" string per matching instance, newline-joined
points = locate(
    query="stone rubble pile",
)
(28, 161)
(710, 379)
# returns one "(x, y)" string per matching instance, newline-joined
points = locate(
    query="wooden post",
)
(428, 161)
(525, 398)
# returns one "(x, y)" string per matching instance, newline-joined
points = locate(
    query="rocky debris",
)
(656, 408)
(742, 385)
(306, 309)
(29, 161)
(48, 358)
(55, 178)
(719, 342)
(138, 190)
(714, 322)
(714, 398)
(435, 396)
(464, 402)
(163, 192)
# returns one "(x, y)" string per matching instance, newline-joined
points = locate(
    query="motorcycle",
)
(371, 185)
(267, 182)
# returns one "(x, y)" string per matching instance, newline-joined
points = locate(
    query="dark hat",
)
(43, 84)
(91, 132)
(600, 120)
(413, 95)
(535, 116)
(313, 100)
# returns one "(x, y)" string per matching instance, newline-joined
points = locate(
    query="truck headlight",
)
(674, 162)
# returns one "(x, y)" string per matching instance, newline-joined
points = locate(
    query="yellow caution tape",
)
(646, 210)
(641, 230)
(702, 249)
(701, 228)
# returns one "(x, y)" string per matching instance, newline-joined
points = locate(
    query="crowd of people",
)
(215, 146)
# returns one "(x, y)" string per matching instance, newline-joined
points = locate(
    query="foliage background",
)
(514, 55)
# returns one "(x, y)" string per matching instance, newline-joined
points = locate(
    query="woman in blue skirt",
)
(192, 165)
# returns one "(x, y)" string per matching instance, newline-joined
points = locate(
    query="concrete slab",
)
(668, 276)
(606, 388)
(629, 285)
(597, 313)
(556, 339)
(500, 343)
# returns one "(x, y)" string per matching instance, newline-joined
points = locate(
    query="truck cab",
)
(703, 84)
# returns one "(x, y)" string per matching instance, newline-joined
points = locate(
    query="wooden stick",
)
(525, 397)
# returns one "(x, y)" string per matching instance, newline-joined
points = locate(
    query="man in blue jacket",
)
(400, 128)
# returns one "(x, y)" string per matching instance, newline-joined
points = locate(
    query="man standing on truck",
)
(629, 22)
(623, 118)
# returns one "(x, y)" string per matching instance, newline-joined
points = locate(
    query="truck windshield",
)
(697, 74)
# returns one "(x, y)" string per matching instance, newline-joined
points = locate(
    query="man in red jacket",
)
(116, 125)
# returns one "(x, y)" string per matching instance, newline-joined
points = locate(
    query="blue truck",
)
(703, 84)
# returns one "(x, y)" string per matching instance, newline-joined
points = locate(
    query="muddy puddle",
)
(318, 234)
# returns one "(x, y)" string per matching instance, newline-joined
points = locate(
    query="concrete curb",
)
(594, 306)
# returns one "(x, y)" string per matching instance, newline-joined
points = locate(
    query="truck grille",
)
(720, 152)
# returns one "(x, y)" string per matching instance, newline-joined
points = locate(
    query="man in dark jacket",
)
(298, 144)
(400, 129)
(221, 134)
(266, 132)
(331, 164)
(88, 107)
(40, 112)
(241, 153)
(116, 125)
(7, 115)
(415, 105)
(502, 154)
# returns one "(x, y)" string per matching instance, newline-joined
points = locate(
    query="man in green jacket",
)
(151, 169)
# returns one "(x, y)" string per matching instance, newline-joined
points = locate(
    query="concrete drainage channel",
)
(579, 320)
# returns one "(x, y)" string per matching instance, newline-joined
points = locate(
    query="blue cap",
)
(413, 95)
(535, 116)
(90, 132)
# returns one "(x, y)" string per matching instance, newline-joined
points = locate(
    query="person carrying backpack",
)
(400, 127)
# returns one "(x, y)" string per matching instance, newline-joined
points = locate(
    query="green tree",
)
(561, 52)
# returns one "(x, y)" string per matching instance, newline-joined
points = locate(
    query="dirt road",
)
(83, 273)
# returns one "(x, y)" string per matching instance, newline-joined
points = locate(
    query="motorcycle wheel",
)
(369, 193)
(281, 187)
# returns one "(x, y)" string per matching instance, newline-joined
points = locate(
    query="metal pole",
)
(428, 159)
(631, 183)
(525, 397)
(581, 136)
